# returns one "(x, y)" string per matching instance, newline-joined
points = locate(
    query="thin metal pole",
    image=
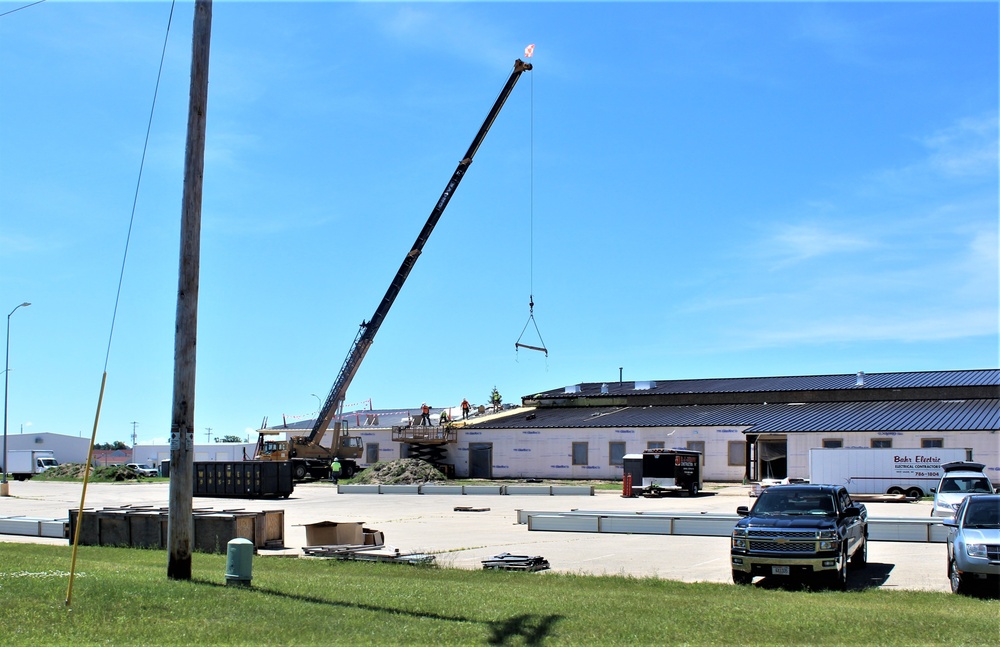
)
(4, 487)
(180, 528)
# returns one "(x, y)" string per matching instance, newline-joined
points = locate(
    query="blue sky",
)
(687, 189)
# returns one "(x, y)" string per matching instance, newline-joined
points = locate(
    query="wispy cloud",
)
(966, 149)
(11, 244)
(795, 243)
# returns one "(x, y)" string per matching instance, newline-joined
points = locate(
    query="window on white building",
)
(616, 453)
(737, 452)
(698, 446)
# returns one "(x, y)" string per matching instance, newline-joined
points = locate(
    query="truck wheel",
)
(299, 471)
(693, 489)
(915, 493)
(347, 472)
(741, 578)
(860, 557)
(894, 490)
(958, 583)
(840, 577)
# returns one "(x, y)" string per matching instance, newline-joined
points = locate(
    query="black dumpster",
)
(243, 479)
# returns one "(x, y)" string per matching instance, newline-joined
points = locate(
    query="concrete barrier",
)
(517, 490)
(572, 490)
(358, 489)
(399, 489)
(429, 488)
(482, 489)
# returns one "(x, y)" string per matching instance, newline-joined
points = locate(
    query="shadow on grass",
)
(871, 576)
(532, 629)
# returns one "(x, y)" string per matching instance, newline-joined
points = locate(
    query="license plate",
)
(780, 570)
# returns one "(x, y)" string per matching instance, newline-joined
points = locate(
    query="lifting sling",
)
(531, 320)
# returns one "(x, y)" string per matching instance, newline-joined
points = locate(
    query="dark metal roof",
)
(901, 415)
(911, 380)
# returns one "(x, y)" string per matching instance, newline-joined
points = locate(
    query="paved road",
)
(429, 523)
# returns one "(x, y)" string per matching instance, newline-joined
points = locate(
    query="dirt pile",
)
(404, 471)
(65, 470)
(75, 471)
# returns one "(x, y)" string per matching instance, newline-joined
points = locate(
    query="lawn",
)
(122, 596)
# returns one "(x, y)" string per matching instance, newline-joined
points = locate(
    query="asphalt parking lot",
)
(430, 524)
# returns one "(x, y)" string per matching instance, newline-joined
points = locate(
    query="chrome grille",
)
(993, 552)
(782, 541)
(781, 547)
(792, 535)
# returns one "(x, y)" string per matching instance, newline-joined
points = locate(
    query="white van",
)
(960, 479)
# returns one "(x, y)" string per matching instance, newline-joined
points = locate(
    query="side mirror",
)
(852, 511)
(743, 510)
(933, 490)
(950, 522)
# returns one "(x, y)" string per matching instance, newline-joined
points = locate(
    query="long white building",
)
(746, 428)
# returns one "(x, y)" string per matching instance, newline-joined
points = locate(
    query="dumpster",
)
(243, 479)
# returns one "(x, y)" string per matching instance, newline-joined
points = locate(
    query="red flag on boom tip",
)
(529, 50)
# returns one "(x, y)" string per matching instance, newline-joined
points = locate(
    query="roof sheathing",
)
(898, 415)
(929, 385)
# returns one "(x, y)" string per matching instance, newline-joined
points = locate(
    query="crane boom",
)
(366, 333)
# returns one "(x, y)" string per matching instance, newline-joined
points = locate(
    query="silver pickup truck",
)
(142, 470)
(806, 531)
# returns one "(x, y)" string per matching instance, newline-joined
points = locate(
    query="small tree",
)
(229, 439)
(496, 399)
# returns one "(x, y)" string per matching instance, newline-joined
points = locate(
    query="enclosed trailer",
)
(864, 470)
(657, 471)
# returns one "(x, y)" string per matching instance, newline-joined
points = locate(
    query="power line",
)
(19, 8)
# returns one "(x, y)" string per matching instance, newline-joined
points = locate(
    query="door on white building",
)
(772, 457)
(480, 460)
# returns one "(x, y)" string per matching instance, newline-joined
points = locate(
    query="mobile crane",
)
(309, 458)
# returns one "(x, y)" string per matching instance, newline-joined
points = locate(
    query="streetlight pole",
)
(318, 401)
(4, 487)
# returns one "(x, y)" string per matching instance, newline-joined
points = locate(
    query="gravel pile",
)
(404, 471)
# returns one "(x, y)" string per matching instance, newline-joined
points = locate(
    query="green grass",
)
(122, 596)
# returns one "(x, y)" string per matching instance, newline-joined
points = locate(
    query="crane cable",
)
(114, 316)
(531, 225)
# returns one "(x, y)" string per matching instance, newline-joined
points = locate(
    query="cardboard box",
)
(374, 537)
(334, 533)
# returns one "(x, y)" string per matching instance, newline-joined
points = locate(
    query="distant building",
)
(154, 454)
(105, 457)
(67, 449)
(746, 428)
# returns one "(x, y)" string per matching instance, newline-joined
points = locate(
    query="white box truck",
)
(25, 463)
(862, 470)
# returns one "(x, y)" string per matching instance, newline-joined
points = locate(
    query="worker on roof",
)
(425, 414)
(465, 408)
(444, 418)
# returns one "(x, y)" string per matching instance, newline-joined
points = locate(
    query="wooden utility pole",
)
(180, 529)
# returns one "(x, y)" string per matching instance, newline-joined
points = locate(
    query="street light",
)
(319, 402)
(4, 487)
